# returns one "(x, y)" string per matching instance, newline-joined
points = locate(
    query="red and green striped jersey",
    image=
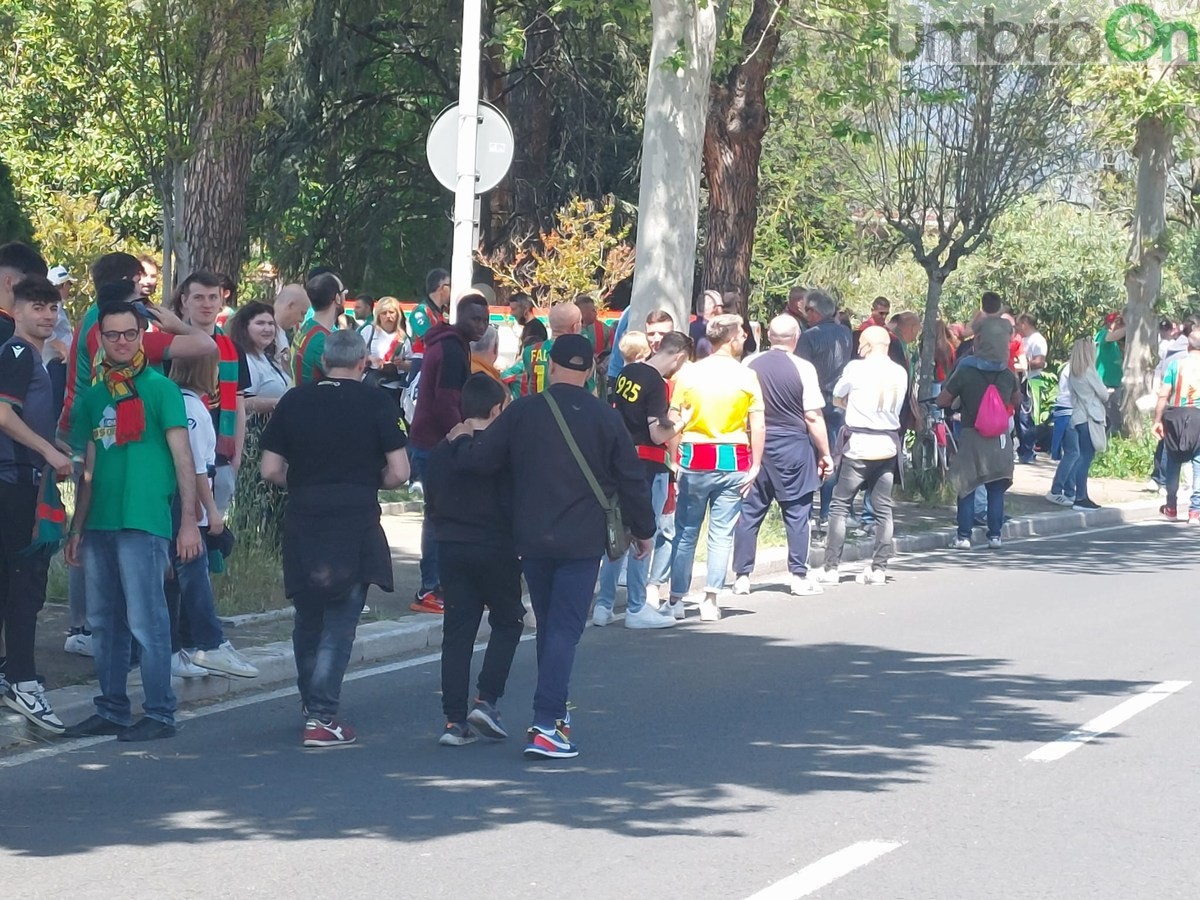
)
(307, 348)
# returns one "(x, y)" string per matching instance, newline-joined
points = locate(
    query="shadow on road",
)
(673, 732)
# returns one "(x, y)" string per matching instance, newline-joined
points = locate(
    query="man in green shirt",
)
(326, 293)
(135, 429)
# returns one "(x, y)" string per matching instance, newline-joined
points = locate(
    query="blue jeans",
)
(126, 603)
(664, 549)
(1086, 454)
(700, 492)
(1062, 424)
(835, 418)
(995, 510)
(322, 637)
(635, 577)
(1173, 467)
(1026, 430)
(1068, 466)
(429, 547)
(560, 591)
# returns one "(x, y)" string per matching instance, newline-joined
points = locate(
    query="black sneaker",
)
(1084, 505)
(457, 734)
(147, 729)
(486, 720)
(94, 726)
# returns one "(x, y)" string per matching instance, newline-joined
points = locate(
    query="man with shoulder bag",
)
(578, 485)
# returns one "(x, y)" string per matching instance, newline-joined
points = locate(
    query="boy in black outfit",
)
(471, 516)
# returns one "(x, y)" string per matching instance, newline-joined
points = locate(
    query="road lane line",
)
(1106, 722)
(827, 870)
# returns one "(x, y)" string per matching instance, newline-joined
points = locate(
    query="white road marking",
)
(827, 870)
(1106, 722)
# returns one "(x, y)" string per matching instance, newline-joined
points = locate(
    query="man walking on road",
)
(827, 344)
(446, 368)
(872, 391)
(134, 424)
(334, 444)
(791, 471)
(559, 524)
(720, 456)
(1177, 425)
(26, 449)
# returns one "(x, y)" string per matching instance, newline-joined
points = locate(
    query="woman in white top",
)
(253, 330)
(385, 337)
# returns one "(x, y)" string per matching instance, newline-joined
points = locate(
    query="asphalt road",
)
(868, 743)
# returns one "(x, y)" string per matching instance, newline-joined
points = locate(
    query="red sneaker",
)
(428, 602)
(1169, 513)
(331, 733)
(1194, 517)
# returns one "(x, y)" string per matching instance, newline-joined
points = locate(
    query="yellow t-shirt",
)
(722, 393)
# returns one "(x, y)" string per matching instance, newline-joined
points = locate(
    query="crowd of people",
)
(622, 442)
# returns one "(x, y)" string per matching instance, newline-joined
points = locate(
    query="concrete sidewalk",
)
(391, 630)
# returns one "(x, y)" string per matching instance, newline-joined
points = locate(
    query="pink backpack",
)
(991, 420)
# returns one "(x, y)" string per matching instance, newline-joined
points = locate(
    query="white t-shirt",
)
(874, 389)
(379, 342)
(203, 439)
(1034, 345)
(1063, 400)
(267, 378)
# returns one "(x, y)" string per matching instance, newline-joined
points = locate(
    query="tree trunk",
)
(681, 57)
(737, 121)
(214, 201)
(1147, 251)
(936, 279)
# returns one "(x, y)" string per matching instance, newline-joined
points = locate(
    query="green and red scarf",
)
(50, 525)
(226, 395)
(131, 413)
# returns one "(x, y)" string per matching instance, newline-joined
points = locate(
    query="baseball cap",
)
(572, 351)
(58, 275)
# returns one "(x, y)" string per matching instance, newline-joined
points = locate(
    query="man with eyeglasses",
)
(135, 429)
(429, 313)
(326, 294)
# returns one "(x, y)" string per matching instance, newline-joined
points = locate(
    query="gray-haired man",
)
(334, 443)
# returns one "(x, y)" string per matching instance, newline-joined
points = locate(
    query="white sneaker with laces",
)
(676, 611)
(871, 575)
(806, 587)
(1054, 498)
(995, 543)
(827, 576)
(28, 698)
(601, 616)
(709, 611)
(182, 667)
(648, 617)
(741, 585)
(960, 543)
(224, 661)
(80, 644)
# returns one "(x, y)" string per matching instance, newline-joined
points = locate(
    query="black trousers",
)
(22, 578)
(474, 577)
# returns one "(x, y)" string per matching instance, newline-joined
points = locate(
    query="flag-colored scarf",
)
(131, 413)
(51, 519)
(227, 388)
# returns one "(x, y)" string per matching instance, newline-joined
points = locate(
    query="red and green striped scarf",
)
(226, 396)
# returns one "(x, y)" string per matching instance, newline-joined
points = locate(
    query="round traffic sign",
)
(493, 147)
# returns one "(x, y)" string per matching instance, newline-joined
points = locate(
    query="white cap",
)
(58, 275)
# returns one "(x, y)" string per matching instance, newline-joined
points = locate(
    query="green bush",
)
(1128, 458)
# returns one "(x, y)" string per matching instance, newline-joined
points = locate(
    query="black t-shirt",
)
(7, 327)
(25, 386)
(334, 431)
(640, 394)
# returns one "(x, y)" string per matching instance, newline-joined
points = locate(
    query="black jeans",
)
(322, 638)
(22, 578)
(474, 577)
(755, 505)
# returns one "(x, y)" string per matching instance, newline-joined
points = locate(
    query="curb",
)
(377, 641)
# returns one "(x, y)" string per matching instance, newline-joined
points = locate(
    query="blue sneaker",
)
(545, 744)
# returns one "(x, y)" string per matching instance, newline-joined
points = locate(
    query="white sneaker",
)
(709, 611)
(995, 543)
(79, 644)
(1056, 499)
(960, 543)
(601, 616)
(741, 585)
(28, 698)
(224, 661)
(806, 587)
(648, 617)
(182, 667)
(654, 597)
(871, 575)
(676, 611)
(827, 576)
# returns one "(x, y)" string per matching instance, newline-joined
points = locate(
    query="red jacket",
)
(445, 370)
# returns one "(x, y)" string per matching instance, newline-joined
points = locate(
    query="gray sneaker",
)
(485, 719)
(457, 734)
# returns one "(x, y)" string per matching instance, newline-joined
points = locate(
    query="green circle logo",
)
(1133, 19)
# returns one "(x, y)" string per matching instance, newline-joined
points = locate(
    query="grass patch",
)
(252, 581)
(926, 488)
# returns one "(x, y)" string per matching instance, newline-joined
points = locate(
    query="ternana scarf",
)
(50, 522)
(227, 390)
(131, 413)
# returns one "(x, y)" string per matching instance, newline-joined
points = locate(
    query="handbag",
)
(616, 539)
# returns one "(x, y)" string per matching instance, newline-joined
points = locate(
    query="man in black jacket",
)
(559, 524)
